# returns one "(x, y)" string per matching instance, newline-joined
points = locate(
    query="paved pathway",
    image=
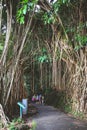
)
(50, 118)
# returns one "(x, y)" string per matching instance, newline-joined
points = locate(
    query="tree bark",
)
(8, 32)
(41, 76)
(0, 15)
(18, 57)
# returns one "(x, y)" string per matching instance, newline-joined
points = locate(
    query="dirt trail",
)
(50, 118)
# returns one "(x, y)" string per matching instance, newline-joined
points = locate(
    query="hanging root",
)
(3, 118)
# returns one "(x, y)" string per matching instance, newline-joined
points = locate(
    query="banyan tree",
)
(43, 44)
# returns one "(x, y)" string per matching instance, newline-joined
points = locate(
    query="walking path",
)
(50, 118)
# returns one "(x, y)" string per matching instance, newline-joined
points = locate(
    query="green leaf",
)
(1, 47)
(22, 20)
(24, 9)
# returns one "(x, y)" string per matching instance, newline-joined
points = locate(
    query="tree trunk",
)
(3, 74)
(54, 73)
(41, 76)
(16, 61)
(59, 77)
(33, 84)
(8, 32)
(0, 15)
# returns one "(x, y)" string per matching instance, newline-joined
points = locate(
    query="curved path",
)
(50, 118)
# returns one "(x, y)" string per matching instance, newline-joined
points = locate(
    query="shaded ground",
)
(50, 118)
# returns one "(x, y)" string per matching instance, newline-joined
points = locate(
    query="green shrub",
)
(78, 114)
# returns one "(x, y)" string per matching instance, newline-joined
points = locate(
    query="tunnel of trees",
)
(43, 46)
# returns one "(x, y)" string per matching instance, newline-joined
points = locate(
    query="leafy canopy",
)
(24, 7)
